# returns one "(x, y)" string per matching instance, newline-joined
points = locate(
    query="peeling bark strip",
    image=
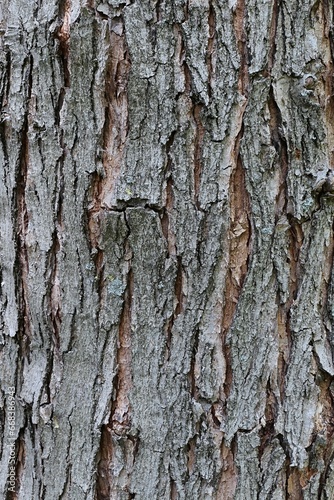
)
(166, 249)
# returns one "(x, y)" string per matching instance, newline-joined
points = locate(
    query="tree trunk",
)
(166, 248)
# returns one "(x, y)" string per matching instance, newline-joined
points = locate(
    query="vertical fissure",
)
(329, 78)
(239, 252)
(22, 264)
(240, 14)
(279, 142)
(63, 36)
(239, 237)
(19, 466)
(211, 50)
(167, 230)
(267, 432)
(120, 412)
(179, 301)
(168, 204)
(272, 35)
(198, 145)
(120, 420)
(284, 218)
(55, 292)
(228, 478)
(192, 371)
(115, 127)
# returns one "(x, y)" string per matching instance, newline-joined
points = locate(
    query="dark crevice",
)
(191, 375)
(272, 35)
(54, 290)
(81, 286)
(296, 238)
(119, 418)
(119, 421)
(179, 298)
(62, 34)
(240, 16)
(328, 13)
(279, 142)
(267, 433)
(103, 474)
(158, 10)
(211, 48)
(54, 293)
(20, 454)
(216, 415)
(173, 489)
(186, 10)
(240, 238)
(296, 243)
(4, 93)
(282, 213)
(198, 145)
(98, 258)
(165, 218)
(191, 456)
(21, 261)
(240, 232)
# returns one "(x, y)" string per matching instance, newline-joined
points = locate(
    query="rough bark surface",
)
(166, 248)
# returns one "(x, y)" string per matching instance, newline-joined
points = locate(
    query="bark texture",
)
(166, 248)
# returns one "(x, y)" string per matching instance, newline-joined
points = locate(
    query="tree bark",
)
(166, 249)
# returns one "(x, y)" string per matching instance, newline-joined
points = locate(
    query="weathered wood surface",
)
(166, 248)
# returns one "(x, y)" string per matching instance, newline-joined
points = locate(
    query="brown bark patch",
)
(228, 479)
(19, 467)
(103, 479)
(115, 129)
(272, 35)
(329, 79)
(191, 455)
(63, 34)
(120, 418)
(239, 243)
(116, 112)
(119, 422)
(294, 488)
(240, 33)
